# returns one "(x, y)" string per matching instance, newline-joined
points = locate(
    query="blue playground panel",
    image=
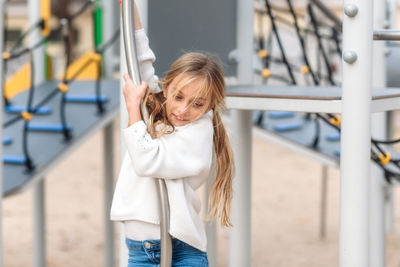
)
(47, 147)
(298, 129)
(280, 114)
(287, 127)
(333, 137)
(47, 127)
(19, 109)
(7, 140)
(20, 160)
(85, 98)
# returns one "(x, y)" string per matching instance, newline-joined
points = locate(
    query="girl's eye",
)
(178, 97)
(198, 105)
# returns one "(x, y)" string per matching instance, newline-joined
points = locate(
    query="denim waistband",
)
(152, 244)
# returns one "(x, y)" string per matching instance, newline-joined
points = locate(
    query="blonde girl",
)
(177, 144)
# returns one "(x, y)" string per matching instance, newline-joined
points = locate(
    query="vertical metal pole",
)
(356, 135)
(211, 226)
(108, 192)
(39, 221)
(390, 123)
(109, 28)
(142, 7)
(377, 197)
(393, 13)
(1, 130)
(133, 70)
(123, 250)
(324, 197)
(34, 7)
(240, 245)
(39, 225)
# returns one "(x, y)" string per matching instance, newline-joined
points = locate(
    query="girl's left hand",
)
(133, 94)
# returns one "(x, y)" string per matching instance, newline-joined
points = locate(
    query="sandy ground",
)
(285, 213)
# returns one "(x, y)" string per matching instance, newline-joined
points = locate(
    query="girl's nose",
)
(182, 108)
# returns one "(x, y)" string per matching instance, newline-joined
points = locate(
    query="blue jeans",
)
(147, 253)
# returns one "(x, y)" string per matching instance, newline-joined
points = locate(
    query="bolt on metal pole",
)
(133, 70)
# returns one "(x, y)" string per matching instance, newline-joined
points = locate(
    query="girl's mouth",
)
(178, 118)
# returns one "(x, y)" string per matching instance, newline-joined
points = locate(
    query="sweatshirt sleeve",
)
(184, 153)
(146, 58)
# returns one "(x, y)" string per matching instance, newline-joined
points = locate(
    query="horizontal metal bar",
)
(387, 35)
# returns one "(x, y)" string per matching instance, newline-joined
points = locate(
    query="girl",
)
(177, 145)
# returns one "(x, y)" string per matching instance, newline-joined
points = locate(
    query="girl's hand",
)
(133, 94)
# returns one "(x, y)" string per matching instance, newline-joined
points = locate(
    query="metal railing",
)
(133, 70)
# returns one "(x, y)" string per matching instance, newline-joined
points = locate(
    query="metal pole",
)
(34, 7)
(123, 250)
(356, 135)
(108, 193)
(377, 199)
(388, 35)
(1, 130)
(240, 249)
(390, 22)
(133, 70)
(109, 27)
(324, 191)
(39, 223)
(211, 226)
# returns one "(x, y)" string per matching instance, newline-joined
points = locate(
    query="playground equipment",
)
(355, 104)
(42, 149)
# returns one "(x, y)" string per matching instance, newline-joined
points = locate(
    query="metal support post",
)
(377, 195)
(240, 240)
(390, 22)
(240, 245)
(356, 135)
(39, 225)
(123, 250)
(34, 7)
(39, 239)
(377, 202)
(108, 193)
(324, 197)
(110, 25)
(1, 130)
(211, 226)
(133, 70)
(389, 208)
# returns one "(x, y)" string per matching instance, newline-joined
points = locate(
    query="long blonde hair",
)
(206, 67)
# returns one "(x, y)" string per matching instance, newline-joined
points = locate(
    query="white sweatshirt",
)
(182, 158)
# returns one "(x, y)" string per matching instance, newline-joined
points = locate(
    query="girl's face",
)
(186, 105)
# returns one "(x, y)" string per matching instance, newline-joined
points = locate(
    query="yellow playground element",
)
(385, 158)
(6, 55)
(263, 53)
(336, 120)
(305, 69)
(266, 73)
(26, 115)
(63, 87)
(19, 82)
(46, 14)
(85, 67)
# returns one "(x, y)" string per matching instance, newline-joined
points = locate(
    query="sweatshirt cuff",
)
(135, 128)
